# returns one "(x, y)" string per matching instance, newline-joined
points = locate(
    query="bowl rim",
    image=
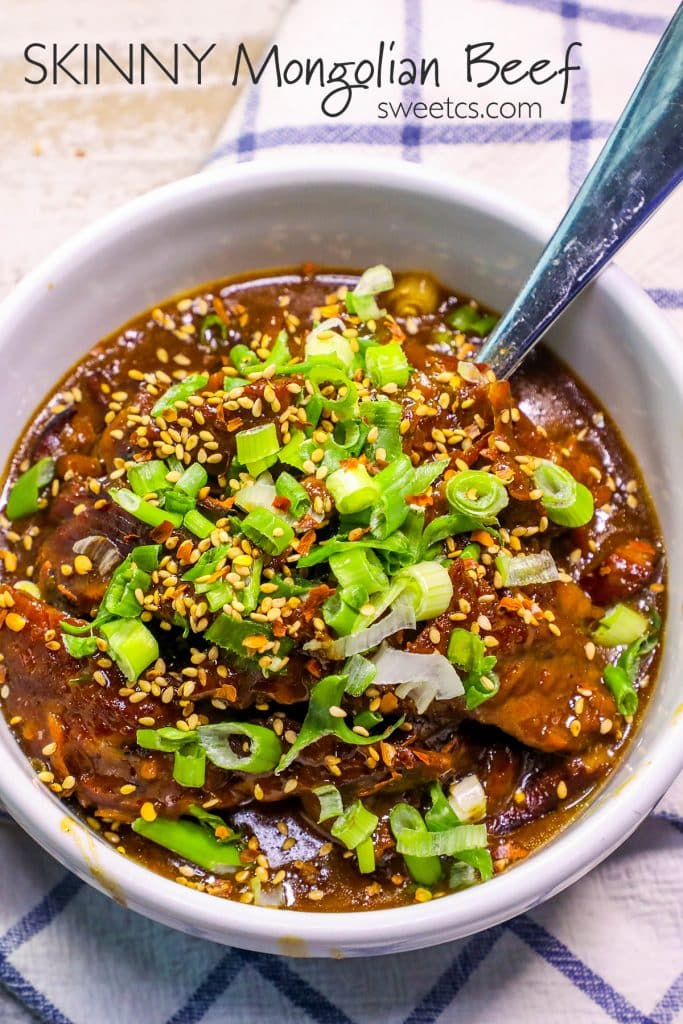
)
(592, 836)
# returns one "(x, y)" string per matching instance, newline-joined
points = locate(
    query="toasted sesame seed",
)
(147, 811)
(562, 790)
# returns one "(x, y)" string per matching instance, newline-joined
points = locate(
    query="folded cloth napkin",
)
(612, 945)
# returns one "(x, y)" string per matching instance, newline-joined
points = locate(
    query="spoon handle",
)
(639, 165)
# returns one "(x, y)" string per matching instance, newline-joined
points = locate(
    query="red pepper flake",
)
(282, 502)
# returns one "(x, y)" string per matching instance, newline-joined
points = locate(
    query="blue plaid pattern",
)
(609, 948)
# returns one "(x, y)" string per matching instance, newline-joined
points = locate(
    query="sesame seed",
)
(562, 790)
(147, 811)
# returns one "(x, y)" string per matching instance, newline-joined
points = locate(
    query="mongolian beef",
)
(300, 606)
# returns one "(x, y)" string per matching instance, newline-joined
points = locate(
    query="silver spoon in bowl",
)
(639, 165)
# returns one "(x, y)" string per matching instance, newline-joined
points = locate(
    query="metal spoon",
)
(639, 165)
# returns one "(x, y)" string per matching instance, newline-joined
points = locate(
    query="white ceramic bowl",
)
(354, 214)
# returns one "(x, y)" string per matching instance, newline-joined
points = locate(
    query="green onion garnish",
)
(450, 842)
(193, 842)
(620, 625)
(331, 805)
(468, 652)
(152, 515)
(231, 633)
(471, 321)
(198, 524)
(429, 585)
(189, 766)
(359, 567)
(440, 815)
(424, 869)
(360, 673)
(180, 392)
(324, 345)
(620, 678)
(286, 486)
(353, 828)
(567, 502)
(148, 477)
(321, 376)
(120, 599)
(265, 748)
(387, 364)
(267, 530)
(257, 448)
(147, 556)
(352, 489)
(395, 484)
(24, 498)
(476, 494)
(80, 646)
(361, 301)
(318, 722)
(192, 480)
(131, 645)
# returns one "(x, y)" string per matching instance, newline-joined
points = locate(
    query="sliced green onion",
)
(207, 564)
(381, 412)
(198, 524)
(468, 651)
(425, 475)
(359, 567)
(264, 753)
(331, 805)
(326, 345)
(567, 502)
(354, 825)
(622, 689)
(231, 633)
(189, 766)
(24, 498)
(243, 359)
(178, 502)
(219, 594)
(261, 494)
(267, 530)
(397, 546)
(80, 646)
(180, 392)
(257, 448)
(471, 321)
(446, 526)
(387, 364)
(167, 739)
(142, 510)
(359, 673)
(297, 451)
(352, 489)
(425, 870)
(449, 843)
(213, 320)
(361, 301)
(476, 494)
(440, 815)
(249, 597)
(327, 693)
(525, 570)
(620, 678)
(340, 615)
(365, 855)
(354, 828)
(620, 625)
(148, 477)
(321, 375)
(374, 280)
(368, 719)
(147, 556)
(480, 860)
(429, 585)
(395, 484)
(297, 496)
(120, 599)
(192, 480)
(471, 551)
(131, 645)
(192, 842)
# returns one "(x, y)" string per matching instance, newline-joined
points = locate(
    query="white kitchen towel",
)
(611, 947)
